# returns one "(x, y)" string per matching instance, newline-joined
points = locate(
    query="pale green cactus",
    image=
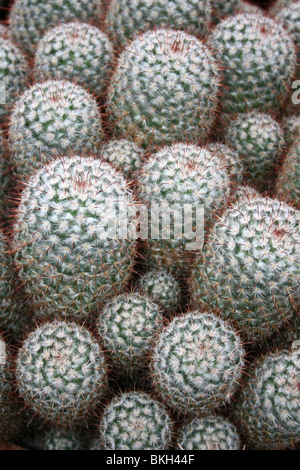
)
(288, 179)
(124, 155)
(162, 286)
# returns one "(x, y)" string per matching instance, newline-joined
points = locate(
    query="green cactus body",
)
(259, 140)
(232, 160)
(134, 421)
(249, 268)
(77, 52)
(208, 433)
(127, 17)
(259, 60)
(13, 74)
(197, 363)
(268, 407)
(57, 439)
(162, 286)
(124, 155)
(127, 326)
(67, 257)
(291, 128)
(52, 117)
(29, 19)
(60, 372)
(181, 174)
(223, 9)
(165, 88)
(288, 180)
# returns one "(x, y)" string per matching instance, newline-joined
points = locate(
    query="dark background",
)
(6, 3)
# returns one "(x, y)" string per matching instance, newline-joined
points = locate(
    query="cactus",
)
(59, 439)
(232, 160)
(268, 406)
(165, 88)
(10, 419)
(65, 253)
(28, 19)
(197, 363)
(127, 17)
(182, 174)
(259, 140)
(208, 433)
(127, 326)
(288, 180)
(291, 128)
(13, 74)
(123, 154)
(259, 60)
(249, 268)
(223, 9)
(162, 286)
(51, 118)
(134, 421)
(77, 52)
(60, 372)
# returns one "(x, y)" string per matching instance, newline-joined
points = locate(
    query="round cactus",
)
(268, 406)
(182, 174)
(57, 439)
(249, 268)
(231, 158)
(165, 88)
(51, 118)
(291, 128)
(162, 286)
(197, 363)
(77, 52)
(134, 421)
(124, 155)
(288, 181)
(223, 9)
(127, 17)
(259, 60)
(29, 19)
(60, 372)
(208, 433)
(13, 74)
(127, 326)
(68, 250)
(259, 140)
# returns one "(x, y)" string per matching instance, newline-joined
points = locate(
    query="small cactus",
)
(127, 326)
(58, 439)
(259, 60)
(208, 433)
(267, 410)
(232, 160)
(288, 180)
(259, 140)
(165, 88)
(13, 74)
(124, 155)
(291, 128)
(162, 286)
(197, 363)
(51, 118)
(249, 268)
(29, 19)
(77, 52)
(134, 421)
(65, 255)
(127, 17)
(61, 372)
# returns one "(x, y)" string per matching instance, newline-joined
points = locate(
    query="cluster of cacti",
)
(75, 51)
(134, 421)
(149, 225)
